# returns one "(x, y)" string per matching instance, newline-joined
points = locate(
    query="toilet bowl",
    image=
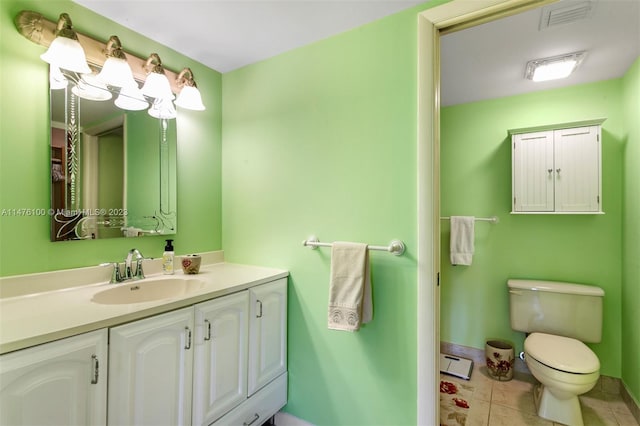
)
(566, 368)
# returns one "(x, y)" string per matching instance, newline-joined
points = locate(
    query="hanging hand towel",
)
(350, 302)
(461, 244)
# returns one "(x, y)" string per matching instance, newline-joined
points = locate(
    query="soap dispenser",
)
(167, 258)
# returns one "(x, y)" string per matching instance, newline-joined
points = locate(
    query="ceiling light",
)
(116, 70)
(189, 96)
(553, 68)
(65, 50)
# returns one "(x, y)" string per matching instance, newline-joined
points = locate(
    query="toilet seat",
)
(561, 353)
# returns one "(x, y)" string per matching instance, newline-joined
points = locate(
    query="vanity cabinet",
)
(59, 383)
(267, 333)
(150, 370)
(198, 364)
(557, 169)
(220, 357)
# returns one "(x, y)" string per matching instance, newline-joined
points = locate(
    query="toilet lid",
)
(561, 353)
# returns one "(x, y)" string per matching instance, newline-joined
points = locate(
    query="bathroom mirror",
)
(113, 171)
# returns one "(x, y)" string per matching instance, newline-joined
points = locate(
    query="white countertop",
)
(31, 319)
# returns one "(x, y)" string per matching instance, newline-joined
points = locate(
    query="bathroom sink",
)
(147, 291)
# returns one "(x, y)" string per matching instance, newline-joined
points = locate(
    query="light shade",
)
(65, 50)
(131, 99)
(190, 98)
(90, 88)
(67, 54)
(553, 68)
(57, 80)
(116, 72)
(157, 86)
(163, 108)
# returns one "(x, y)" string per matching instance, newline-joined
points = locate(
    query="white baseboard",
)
(286, 419)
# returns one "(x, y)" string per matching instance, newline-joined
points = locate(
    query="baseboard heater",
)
(456, 366)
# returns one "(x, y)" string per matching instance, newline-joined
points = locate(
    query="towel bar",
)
(492, 219)
(395, 247)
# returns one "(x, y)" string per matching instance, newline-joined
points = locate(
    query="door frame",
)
(453, 16)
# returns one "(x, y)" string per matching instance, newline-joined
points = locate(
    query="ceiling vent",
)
(565, 12)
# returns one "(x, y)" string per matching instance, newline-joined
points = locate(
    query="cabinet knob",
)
(558, 171)
(550, 171)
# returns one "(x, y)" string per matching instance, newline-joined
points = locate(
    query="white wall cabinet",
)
(150, 370)
(58, 383)
(557, 169)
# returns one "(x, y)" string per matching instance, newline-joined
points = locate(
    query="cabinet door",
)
(267, 333)
(58, 383)
(532, 172)
(577, 169)
(220, 357)
(150, 371)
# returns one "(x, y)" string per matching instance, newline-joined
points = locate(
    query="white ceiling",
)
(229, 34)
(478, 63)
(488, 61)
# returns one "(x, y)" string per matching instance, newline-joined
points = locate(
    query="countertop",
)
(31, 319)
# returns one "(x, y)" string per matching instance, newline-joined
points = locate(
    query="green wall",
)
(631, 234)
(476, 181)
(24, 150)
(322, 140)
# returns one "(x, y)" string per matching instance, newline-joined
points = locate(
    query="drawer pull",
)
(96, 369)
(187, 345)
(252, 421)
(208, 336)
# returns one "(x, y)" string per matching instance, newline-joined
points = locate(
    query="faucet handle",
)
(116, 277)
(139, 271)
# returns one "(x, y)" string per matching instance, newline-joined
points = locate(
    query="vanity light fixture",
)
(189, 97)
(555, 67)
(116, 71)
(65, 50)
(156, 85)
(157, 91)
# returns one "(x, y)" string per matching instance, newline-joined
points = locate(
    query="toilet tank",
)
(563, 309)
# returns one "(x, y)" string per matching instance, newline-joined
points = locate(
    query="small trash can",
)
(500, 358)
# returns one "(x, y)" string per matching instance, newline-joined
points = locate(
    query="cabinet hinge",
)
(598, 199)
(438, 279)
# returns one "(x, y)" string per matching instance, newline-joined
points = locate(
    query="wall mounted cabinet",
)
(557, 169)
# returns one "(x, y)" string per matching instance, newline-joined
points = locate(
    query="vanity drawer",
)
(259, 407)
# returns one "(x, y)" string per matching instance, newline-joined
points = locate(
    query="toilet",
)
(558, 318)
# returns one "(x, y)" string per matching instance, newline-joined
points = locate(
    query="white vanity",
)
(213, 352)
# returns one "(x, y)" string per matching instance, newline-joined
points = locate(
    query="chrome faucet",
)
(128, 273)
(117, 277)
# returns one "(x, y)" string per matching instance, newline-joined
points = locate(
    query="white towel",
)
(350, 302)
(461, 243)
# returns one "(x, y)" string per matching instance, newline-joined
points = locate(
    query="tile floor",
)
(511, 403)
